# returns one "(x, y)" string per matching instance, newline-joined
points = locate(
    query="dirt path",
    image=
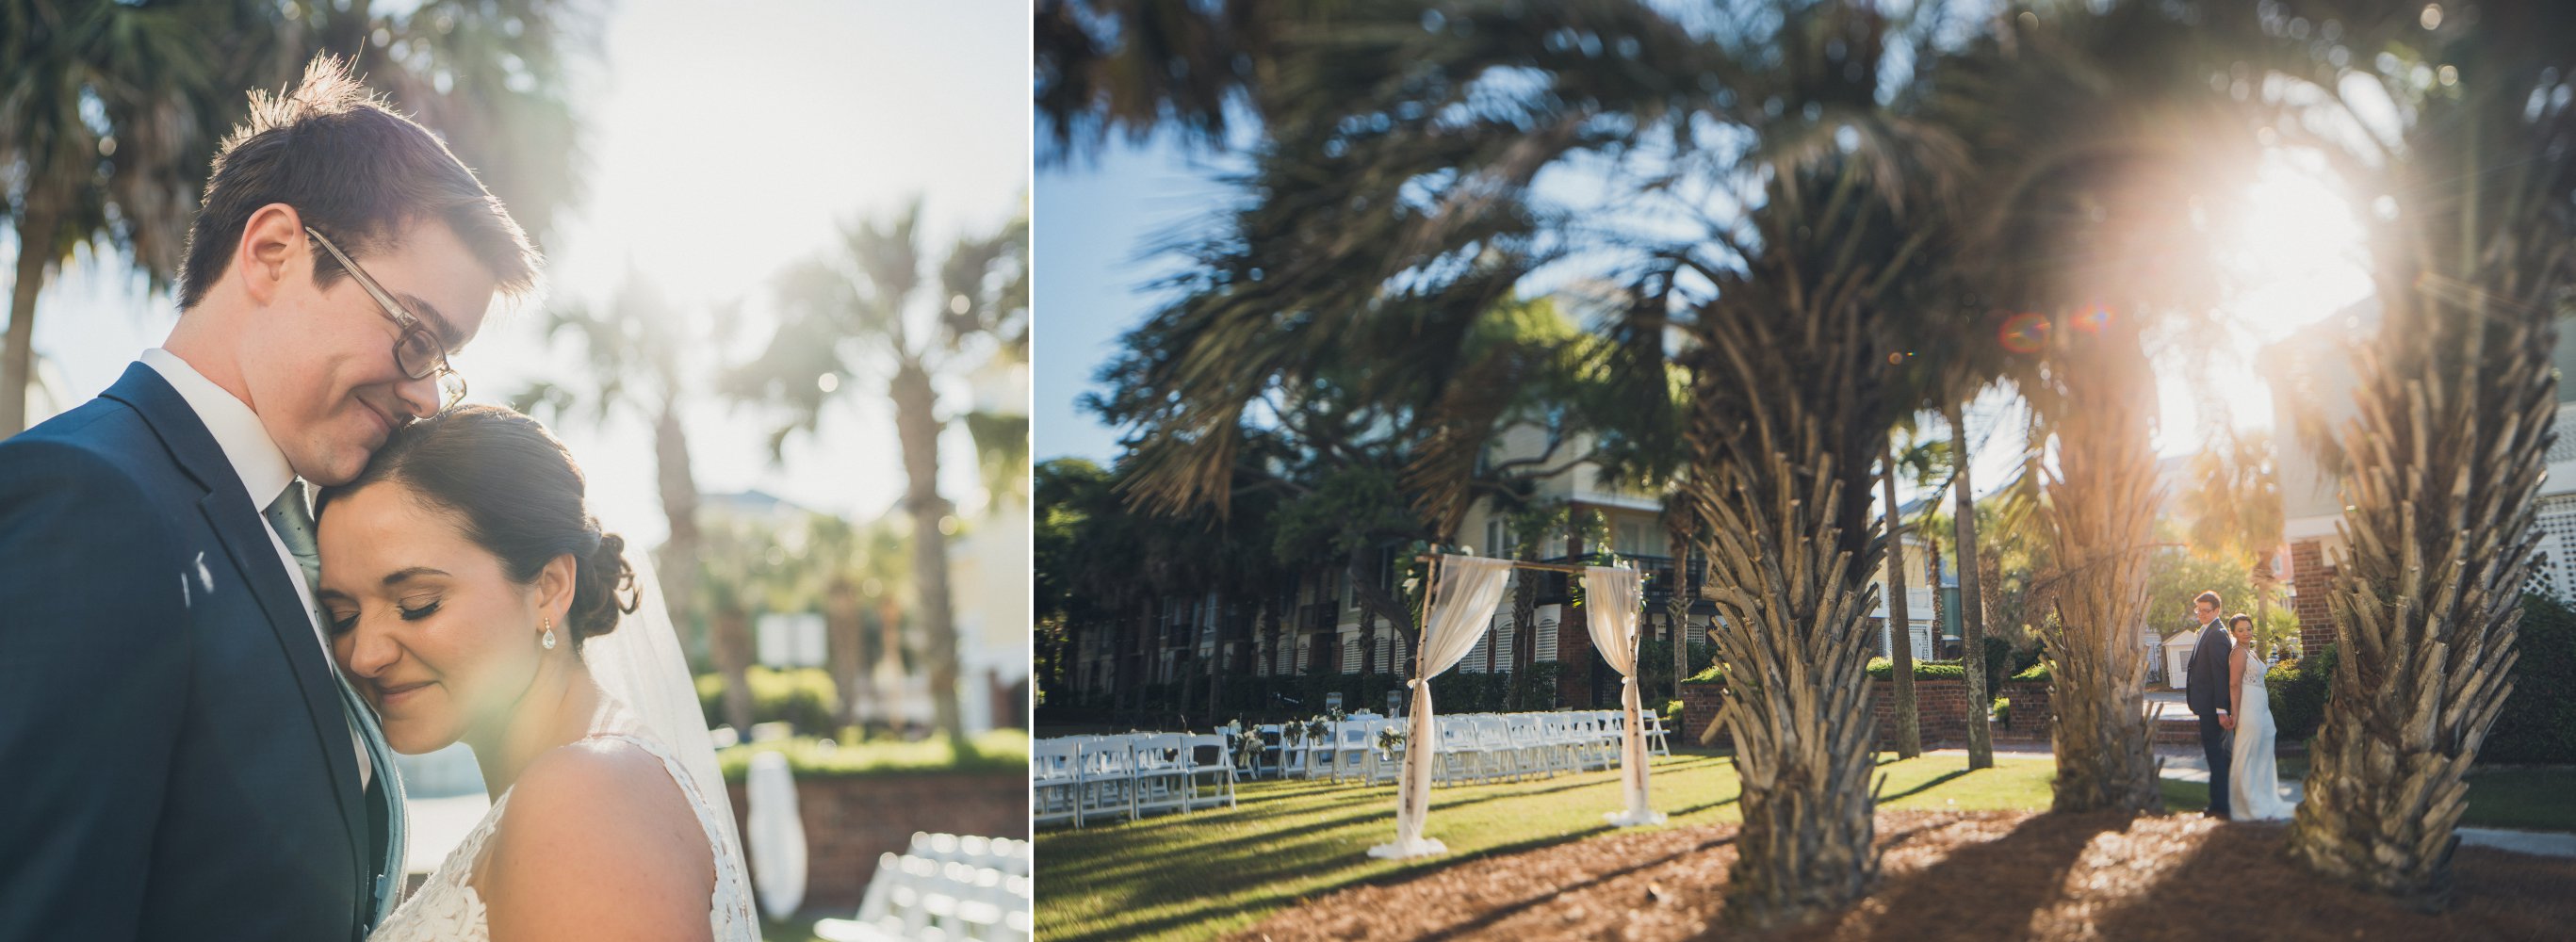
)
(1974, 876)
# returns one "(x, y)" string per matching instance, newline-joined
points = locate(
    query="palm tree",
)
(110, 114)
(2114, 132)
(2457, 399)
(1909, 733)
(1972, 602)
(743, 570)
(1782, 294)
(636, 351)
(858, 312)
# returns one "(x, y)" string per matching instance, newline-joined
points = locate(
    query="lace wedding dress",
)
(446, 909)
(2254, 783)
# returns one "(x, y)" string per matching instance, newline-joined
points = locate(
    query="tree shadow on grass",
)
(1365, 804)
(1928, 785)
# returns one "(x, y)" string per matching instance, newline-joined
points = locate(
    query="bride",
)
(2254, 788)
(470, 596)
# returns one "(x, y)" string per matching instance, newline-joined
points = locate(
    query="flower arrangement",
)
(1390, 739)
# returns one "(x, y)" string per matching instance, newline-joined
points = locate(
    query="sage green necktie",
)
(293, 520)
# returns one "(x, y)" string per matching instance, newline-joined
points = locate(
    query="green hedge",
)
(2038, 672)
(801, 697)
(1883, 669)
(2538, 725)
(998, 752)
(2298, 690)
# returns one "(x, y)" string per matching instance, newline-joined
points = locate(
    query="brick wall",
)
(1700, 703)
(2312, 578)
(2031, 716)
(849, 821)
(1940, 712)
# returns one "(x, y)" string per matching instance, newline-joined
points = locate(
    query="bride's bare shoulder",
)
(599, 842)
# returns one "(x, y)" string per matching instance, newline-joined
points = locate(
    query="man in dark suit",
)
(2205, 688)
(179, 756)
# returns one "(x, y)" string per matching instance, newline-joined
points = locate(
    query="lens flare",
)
(2026, 332)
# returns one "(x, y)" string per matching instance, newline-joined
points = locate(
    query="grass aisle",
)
(1199, 875)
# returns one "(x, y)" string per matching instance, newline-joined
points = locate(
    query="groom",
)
(2206, 690)
(179, 758)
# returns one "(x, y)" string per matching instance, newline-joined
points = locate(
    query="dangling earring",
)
(548, 639)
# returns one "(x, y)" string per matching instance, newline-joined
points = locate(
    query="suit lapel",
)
(238, 527)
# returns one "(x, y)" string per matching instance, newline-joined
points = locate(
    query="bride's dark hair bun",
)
(604, 590)
(519, 495)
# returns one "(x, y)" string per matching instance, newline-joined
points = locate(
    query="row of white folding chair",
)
(918, 898)
(1000, 853)
(1129, 775)
(1055, 781)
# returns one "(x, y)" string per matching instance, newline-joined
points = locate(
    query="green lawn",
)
(1198, 875)
(2531, 799)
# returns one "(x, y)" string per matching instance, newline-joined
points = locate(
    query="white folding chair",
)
(1355, 748)
(1105, 779)
(1052, 782)
(1162, 772)
(1211, 770)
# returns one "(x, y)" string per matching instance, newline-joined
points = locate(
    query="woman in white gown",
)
(2254, 783)
(461, 577)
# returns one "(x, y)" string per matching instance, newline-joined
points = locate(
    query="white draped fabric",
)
(777, 836)
(1463, 595)
(1611, 599)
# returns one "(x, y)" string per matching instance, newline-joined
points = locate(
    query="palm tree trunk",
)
(1909, 729)
(1972, 604)
(917, 427)
(2457, 403)
(732, 645)
(2101, 517)
(845, 639)
(1778, 483)
(890, 659)
(17, 353)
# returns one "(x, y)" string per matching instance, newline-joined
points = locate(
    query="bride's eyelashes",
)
(408, 610)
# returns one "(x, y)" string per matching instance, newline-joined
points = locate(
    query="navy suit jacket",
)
(174, 762)
(2206, 690)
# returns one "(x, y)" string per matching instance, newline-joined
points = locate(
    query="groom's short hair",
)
(2209, 597)
(354, 169)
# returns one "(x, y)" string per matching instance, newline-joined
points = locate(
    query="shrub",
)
(1883, 669)
(2298, 691)
(2538, 724)
(2036, 672)
(997, 751)
(1672, 711)
(1535, 688)
(802, 697)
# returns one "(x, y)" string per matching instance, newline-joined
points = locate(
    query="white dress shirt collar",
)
(255, 457)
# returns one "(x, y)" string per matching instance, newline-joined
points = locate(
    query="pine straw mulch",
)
(1945, 875)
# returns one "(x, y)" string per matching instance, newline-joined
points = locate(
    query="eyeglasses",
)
(418, 351)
